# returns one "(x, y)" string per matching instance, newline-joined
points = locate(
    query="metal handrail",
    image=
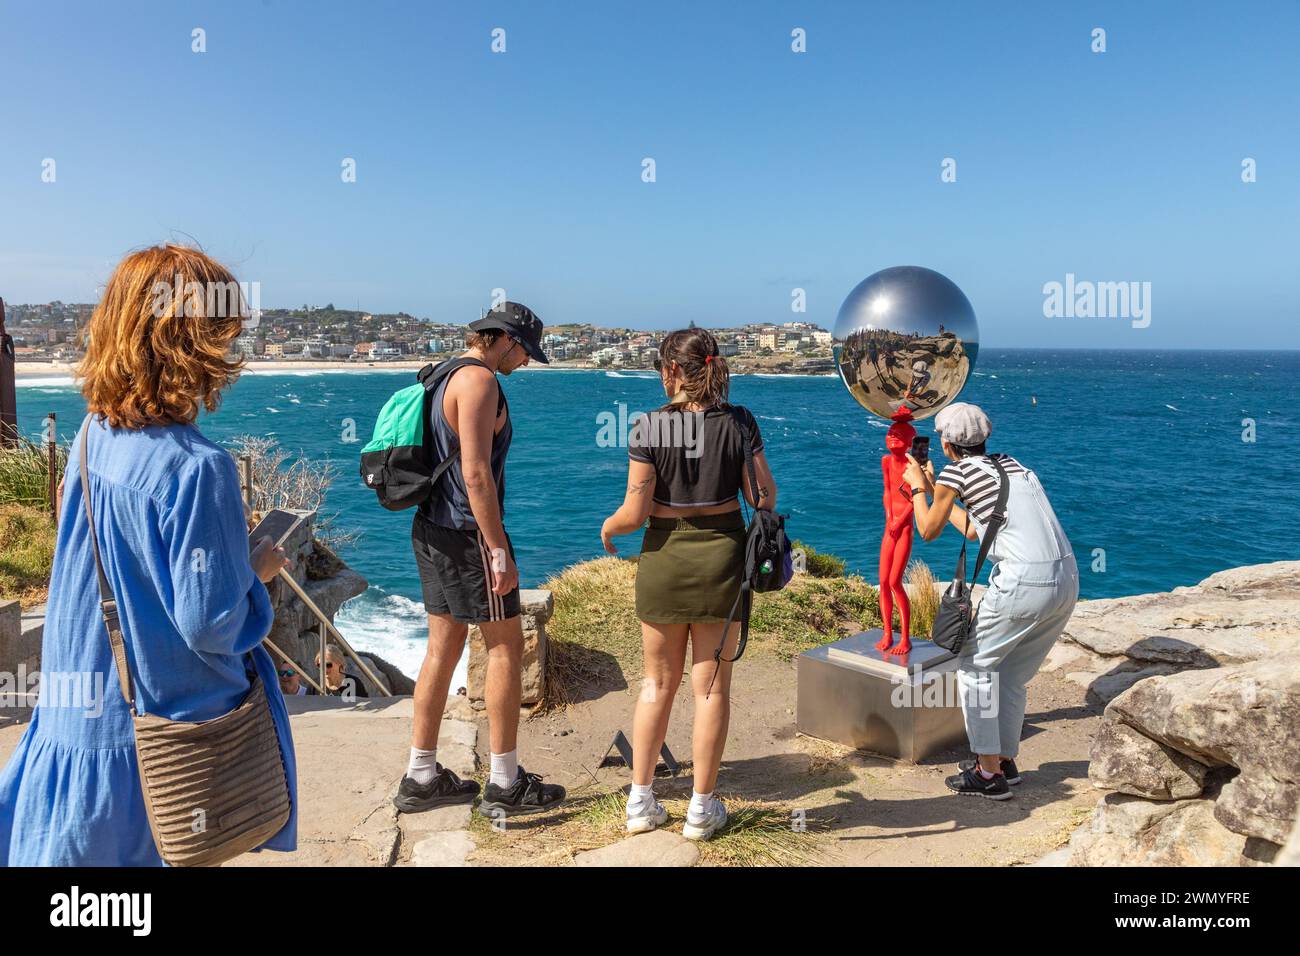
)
(248, 487)
(325, 623)
(294, 664)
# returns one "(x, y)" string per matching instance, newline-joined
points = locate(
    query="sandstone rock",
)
(1103, 688)
(449, 848)
(536, 608)
(398, 682)
(1247, 717)
(20, 637)
(1130, 831)
(416, 826)
(656, 848)
(1289, 855)
(1235, 616)
(1125, 760)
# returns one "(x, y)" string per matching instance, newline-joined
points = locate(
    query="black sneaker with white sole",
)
(972, 783)
(526, 795)
(1008, 769)
(444, 790)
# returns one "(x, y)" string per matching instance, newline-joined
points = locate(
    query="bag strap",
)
(107, 602)
(996, 520)
(747, 441)
(743, 604)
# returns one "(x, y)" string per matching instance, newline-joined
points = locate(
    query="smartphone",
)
(921, 449)
(277, 524)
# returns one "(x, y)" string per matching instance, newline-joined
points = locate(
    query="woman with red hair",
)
(169, 522)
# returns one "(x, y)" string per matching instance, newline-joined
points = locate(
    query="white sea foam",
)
(613, 374)
(24, 381)
(394, 627)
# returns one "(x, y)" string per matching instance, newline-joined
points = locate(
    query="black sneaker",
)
(445, 789)
(1008, 769)
(971, 782)
(526, 795)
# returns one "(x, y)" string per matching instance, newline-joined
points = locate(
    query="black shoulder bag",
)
(769, 561)
(954, 621)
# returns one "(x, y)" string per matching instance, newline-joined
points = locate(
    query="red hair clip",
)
(708, 359)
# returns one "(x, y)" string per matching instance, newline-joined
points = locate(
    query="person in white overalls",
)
(1031, 594)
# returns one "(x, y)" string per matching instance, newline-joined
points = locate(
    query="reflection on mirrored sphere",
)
(905, 337)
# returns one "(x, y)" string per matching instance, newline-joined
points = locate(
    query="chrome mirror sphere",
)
(905, 337)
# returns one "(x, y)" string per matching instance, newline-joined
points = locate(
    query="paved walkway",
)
(350, 760)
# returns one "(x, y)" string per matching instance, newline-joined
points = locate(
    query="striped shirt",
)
(977, 484)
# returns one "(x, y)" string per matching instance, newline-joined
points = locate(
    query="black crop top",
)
(699, 457)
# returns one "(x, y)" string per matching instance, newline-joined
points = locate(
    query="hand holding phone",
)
(921, 449)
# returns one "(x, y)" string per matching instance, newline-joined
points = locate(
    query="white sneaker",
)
(644, 817)
(713, 821)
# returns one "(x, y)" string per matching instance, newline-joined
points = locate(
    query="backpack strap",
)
(432, 376)
(744, 602)
(747, 442)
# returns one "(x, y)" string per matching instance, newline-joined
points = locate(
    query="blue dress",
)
(172, 536)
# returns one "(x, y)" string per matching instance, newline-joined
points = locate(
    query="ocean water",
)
(1142, 454)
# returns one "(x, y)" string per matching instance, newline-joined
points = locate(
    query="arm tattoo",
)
(638, 487)
(762, 492)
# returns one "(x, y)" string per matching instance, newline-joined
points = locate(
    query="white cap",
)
(963, 424)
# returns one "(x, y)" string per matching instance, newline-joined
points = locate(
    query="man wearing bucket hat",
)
(467, 570)
(1033, 587)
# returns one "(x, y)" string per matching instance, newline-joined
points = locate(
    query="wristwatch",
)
(917, 491)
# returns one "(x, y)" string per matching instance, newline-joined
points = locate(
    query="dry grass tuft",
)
(756, 834)
(25, 473)
(27, 536)
(924, 597)
(594, 633)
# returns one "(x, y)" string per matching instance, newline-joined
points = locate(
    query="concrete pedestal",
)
(896, 706)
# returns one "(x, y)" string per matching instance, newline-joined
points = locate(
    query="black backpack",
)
(398, 462)
(769, 560)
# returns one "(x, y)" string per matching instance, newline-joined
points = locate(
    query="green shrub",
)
(820, 565)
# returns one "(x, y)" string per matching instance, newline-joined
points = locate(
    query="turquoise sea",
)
(1142, 453)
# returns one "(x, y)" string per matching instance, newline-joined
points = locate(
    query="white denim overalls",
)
(1032, 591)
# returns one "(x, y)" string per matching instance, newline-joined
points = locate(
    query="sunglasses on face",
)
(286, 673)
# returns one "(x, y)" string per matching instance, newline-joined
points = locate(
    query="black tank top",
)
(449, 506)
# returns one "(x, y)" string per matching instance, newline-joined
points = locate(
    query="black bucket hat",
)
(520, 323)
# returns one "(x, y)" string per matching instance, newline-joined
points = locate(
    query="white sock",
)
(700, 803)
(423, 766)
(505, 767)
(640, 796)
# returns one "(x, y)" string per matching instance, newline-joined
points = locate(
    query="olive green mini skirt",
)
(690, 569)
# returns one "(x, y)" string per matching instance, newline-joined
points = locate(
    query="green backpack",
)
(398, 462)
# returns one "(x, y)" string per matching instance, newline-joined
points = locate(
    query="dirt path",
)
(861, 809)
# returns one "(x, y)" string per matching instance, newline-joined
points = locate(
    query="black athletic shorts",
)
(454, 574)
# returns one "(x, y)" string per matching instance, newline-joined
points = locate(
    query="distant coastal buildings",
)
(48, 333)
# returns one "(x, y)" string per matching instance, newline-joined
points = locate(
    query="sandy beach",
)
(52, 369)
(43, 370)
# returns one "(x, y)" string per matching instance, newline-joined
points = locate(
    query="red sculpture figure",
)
(896, 545)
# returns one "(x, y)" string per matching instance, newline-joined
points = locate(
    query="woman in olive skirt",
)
(685, 473)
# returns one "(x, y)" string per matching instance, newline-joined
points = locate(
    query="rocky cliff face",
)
(1233, 617)
(328, 582)
(1200, 742)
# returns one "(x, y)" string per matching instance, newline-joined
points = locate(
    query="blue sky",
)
(775, 170)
